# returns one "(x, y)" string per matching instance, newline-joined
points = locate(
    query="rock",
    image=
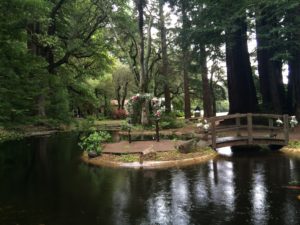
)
(92, 154)
(187, 146)
(147, 154)
(202, 144)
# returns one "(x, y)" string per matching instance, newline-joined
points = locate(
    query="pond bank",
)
(188, 159)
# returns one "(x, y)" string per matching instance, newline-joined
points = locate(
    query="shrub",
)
(9, 135)
(119, 114)
(93, 142)
(170, 120)
(294, 144)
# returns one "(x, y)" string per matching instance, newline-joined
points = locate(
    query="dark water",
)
(42, 181)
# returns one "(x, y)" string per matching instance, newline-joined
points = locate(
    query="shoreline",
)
(178, 163)
(289, 150)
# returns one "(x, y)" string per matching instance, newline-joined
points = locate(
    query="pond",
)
(42, 181)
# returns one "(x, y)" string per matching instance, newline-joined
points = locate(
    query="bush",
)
(169, 121)
(9, 135)
(119, 114)
(179, 113)
(93, 142)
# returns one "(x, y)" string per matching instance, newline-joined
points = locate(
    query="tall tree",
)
(165, 63)
(185, 45)
(207, 92)
(269, 64)
(293, 33)
(241, 90)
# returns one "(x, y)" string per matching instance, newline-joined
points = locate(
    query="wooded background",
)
(61, 58)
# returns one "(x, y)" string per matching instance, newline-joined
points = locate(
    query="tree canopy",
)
(60, 59)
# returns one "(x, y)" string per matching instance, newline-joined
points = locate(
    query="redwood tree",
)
(165, 63)
(241, 90)
(269, 66)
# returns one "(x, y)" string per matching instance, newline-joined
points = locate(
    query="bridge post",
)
(250, 128)
(213, 134)
(271, 127)
(238, 125)
(286, 128)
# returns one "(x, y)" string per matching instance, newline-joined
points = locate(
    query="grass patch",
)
(158, 156)
(294, 144)
(176, 155)
(128, 158)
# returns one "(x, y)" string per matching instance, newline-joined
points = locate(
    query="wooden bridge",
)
(249, 129)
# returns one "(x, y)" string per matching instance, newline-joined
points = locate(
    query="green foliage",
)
(125, 126)
(35, 62)
(294, 144)
(74, 68)
(168, 121)
(58, 104)
(6, 135)
(294, 182)
(222, 106)
(93, 142)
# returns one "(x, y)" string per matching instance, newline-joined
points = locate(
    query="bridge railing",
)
(248, 124)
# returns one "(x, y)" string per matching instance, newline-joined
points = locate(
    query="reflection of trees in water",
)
(231, 189)
(45, 172)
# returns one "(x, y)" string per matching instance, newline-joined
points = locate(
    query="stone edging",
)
(149, 164)
(290, 150)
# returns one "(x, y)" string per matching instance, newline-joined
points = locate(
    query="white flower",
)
(199, 125)
(206, 126)
(293, 121)
(279, 122)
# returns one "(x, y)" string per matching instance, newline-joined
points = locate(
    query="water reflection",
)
(43, 182)
(258, 197)
(180, 198)
(158, 209)
(226, 151)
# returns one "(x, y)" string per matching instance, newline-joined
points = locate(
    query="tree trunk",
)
(185, 61)
(207, 95)
(118, 89)
(276, 86)
(124, 94)
(105, 113)
(294, 84)
(292, 20)
(213, 96)
(270, 70)
(165, 69)
(33, 29)
(140, 8)
(241, 90)
(142, 84)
